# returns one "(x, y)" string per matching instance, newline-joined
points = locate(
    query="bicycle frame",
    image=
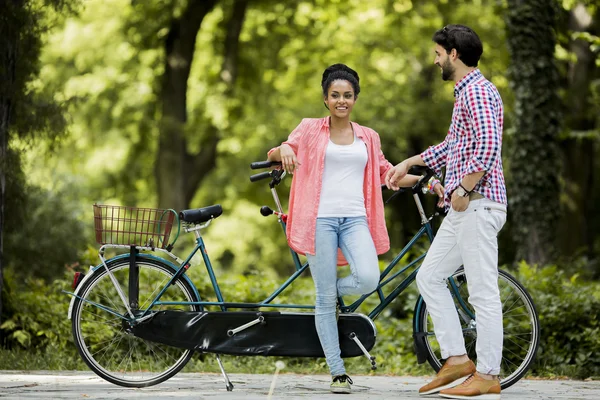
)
(384, 301)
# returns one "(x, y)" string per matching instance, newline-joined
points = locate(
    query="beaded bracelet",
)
(431, 184)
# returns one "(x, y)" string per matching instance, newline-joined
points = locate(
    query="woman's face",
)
(340, 98)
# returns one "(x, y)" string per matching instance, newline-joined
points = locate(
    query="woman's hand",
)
(289, 162)
(395, 175)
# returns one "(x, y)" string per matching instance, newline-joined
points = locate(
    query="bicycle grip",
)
(258, 177)
(264, 164)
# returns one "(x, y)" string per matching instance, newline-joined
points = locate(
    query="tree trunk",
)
(201, 164)
(179, 46)
(9, 37)
(579, 148)
(179, 173)
(534, 193)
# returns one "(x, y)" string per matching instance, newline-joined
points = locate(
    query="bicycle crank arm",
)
(365, 352)
(259, 320)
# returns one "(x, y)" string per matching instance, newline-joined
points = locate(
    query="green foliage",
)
(35, 332)
(35, 313)
(45, 232)
(570, 321)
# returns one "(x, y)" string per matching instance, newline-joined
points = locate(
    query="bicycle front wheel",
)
(101, 333)
(520, 321)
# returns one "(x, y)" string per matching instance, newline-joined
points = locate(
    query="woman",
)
(336, 202)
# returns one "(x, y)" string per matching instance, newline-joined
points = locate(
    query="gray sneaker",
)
(341, 384)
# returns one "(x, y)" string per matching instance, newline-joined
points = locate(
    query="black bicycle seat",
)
(199, 215)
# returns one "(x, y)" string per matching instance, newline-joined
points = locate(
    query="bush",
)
(569, 317)
(35, 330)
(36, 313)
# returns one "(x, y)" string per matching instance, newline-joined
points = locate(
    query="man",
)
(475, 197)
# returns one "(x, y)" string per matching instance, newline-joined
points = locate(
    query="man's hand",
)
(394, 175)
(459, 203)
(439, 190)
(289, 162)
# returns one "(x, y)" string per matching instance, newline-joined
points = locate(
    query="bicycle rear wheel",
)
(520, 321)
(102, 337)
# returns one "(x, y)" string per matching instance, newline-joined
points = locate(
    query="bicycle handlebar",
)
(276, 174)
(264, 164)
(258, 177)
(426, 174)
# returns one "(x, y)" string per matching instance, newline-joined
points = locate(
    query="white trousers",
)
(467, 238)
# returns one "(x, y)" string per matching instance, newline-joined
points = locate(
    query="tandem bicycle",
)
(137, 318)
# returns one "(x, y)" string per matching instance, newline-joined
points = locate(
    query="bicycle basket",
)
(133, 226)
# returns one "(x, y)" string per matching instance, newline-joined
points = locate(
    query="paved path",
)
(85, 385)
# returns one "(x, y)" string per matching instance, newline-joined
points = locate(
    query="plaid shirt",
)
(474, 140)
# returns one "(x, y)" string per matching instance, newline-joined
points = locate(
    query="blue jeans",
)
(353, 237)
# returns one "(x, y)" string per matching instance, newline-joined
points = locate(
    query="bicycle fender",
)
(74, 296)
(418, 336)
(93, 270)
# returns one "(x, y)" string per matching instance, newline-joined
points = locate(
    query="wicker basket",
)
(133, 226)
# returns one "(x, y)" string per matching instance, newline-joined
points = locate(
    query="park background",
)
(164, 103)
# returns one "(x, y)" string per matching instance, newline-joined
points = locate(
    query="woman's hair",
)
(340, 72)
(463, 39)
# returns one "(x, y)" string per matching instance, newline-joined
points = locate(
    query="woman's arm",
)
(274, 154)
(287, 152)
(286, 155)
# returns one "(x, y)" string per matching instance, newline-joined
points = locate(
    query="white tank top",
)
(342, 192)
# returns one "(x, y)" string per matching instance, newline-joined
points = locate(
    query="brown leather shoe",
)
(448, 376)
(475, 387)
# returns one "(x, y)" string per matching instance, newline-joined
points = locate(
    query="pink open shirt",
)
(309, 141)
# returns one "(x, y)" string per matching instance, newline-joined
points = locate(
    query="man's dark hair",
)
(463, 39)
(343, 72)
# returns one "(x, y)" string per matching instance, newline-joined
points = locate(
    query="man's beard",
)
(447, 71)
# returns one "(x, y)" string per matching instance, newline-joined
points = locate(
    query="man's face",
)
(442, 60)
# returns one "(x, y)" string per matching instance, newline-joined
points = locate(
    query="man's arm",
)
(470, 181)
(434, 157)
(395, 177)
(482, 108)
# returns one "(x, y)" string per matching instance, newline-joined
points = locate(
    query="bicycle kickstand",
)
(228, 383)
(365, 352)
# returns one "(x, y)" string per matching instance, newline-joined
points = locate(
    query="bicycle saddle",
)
(199, 215)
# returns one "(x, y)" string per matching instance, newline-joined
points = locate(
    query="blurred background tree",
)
(533, 148)
(28, 115)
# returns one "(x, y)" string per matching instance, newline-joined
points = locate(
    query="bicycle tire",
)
(521, 328)
(102, 338)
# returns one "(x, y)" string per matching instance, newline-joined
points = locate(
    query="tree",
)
(579, 143)
(533, 154)
(178, 172)
(24, 113)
